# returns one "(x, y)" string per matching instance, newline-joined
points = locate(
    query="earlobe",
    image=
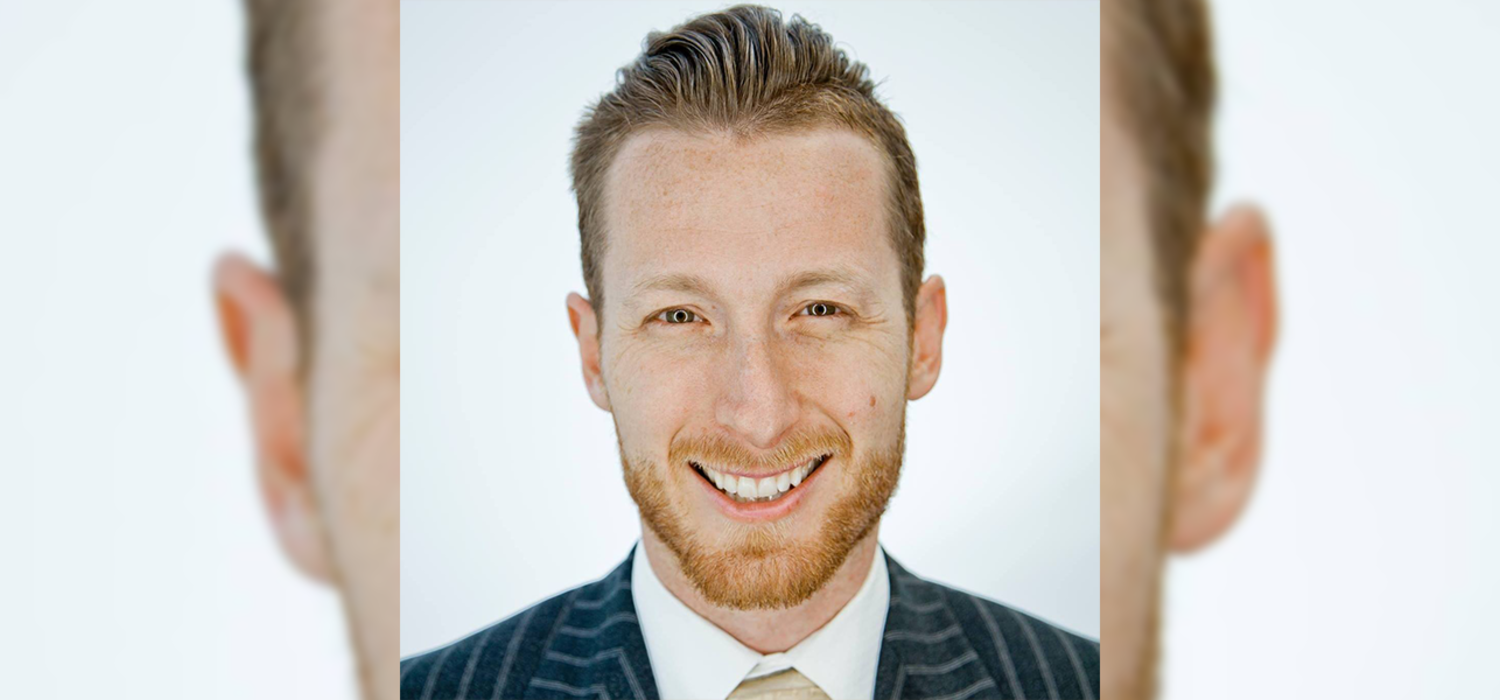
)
(260, 336)
(1231, 334)
(585, 325)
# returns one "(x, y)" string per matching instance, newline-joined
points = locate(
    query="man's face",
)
(327, 426)
(754, 326)
(354, 392)
(1182, 435)
(1135, 419)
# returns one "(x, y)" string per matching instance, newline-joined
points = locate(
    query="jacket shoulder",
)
(1043, 659)
(1022, 655)
(485, 661)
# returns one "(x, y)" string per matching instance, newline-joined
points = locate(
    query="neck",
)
(766, 631)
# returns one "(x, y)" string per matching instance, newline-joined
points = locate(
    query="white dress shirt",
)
(693, 659)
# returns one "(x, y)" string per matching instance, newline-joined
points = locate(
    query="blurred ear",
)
(586, 330)
(927, 337)
(260, 335)
(1230, 337)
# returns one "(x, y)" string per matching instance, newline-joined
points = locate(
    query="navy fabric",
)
(940, 643)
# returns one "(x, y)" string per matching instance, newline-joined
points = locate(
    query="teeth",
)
(800, 473)
(743, 489)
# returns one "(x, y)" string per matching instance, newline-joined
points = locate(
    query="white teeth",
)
(800, 473)
(744, 489)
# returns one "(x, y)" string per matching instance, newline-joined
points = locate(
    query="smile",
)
(744, 489)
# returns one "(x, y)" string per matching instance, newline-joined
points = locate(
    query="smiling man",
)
(752, 238)
(1188, 320)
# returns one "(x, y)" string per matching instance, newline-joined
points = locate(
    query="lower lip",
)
(760, 512)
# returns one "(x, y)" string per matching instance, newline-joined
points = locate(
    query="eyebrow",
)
(693, 284)
(818, 278)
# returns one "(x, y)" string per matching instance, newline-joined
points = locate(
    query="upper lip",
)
(786, 468)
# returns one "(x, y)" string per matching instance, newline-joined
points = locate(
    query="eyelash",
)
(833, 310)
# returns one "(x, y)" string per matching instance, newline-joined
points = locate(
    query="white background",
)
(1366, 567)
(512, 489)
(135, 560)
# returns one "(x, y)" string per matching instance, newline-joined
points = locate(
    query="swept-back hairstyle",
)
(745, 72)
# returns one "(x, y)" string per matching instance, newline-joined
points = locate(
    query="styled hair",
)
(745, 72)
(285, 69)
(1164, 66)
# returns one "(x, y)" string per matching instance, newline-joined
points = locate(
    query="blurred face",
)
(1182, 436)
(354, 396)
(755, 353)
(1135, 419)
(328, 448)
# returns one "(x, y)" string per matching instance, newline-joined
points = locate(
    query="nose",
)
(757, 402)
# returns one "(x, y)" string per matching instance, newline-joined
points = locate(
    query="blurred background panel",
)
(1368, 562)
(1001, 105)
(135, 559)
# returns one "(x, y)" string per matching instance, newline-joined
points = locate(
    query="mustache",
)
(800, 446)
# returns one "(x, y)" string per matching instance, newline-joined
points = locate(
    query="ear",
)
(586, 329)
(927, 337)
(1230, 336)
(260, 336)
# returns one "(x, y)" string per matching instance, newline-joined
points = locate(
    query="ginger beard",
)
(766, 565)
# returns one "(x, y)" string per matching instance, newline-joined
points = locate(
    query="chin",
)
(771, 555)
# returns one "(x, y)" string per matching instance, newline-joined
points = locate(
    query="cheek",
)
(1134, 425)
(653, 391)
(858, 383)
(656, 388)
(356, 440)
(356, 449)
(362, 467)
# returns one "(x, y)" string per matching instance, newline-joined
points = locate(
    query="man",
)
(1187, 322)
(317, 346)
(757, 320)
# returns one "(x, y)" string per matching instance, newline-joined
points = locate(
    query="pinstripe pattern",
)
(939, 644)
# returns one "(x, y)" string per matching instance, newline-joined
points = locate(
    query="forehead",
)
(747, 204)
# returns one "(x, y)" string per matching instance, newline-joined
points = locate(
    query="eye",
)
(677, 316)
(819, 308)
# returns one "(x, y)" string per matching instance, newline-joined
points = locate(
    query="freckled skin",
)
(743, 216)
(761, 210)
(1181, 435)
(327, 427)
(355, 390)
(1133, 422)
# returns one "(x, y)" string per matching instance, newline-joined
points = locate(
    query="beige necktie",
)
(785, 685)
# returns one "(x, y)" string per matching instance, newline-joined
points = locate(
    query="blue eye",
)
(677, 316)
(819, 308)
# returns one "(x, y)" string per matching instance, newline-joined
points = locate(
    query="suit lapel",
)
(595, 649)
(925, 652)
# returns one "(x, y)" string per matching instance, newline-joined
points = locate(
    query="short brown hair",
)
(284, 67)
(743, 71)
(1168, 89)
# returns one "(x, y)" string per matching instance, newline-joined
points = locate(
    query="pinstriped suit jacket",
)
(586, 643)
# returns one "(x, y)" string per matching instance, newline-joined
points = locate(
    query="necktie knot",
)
(783, 685)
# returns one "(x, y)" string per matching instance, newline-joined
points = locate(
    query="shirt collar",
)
(692, 658)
